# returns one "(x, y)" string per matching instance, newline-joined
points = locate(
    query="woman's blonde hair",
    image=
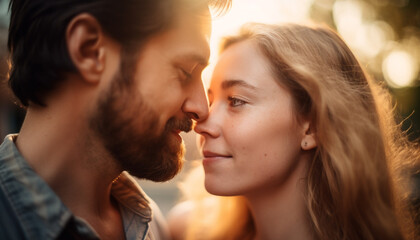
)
(351, 185)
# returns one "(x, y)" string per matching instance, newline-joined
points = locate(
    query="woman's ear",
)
(85, 44)
(309, 139)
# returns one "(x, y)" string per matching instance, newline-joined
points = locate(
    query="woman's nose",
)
(209, 126)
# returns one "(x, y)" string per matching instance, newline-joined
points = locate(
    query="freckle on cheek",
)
(265, 154)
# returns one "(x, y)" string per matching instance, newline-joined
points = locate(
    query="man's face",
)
(139, 119)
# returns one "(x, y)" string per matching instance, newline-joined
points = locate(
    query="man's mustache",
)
(184, 124)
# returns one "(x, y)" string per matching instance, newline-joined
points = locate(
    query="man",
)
(108, 86)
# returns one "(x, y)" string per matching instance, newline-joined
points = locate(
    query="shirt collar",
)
(129, 194)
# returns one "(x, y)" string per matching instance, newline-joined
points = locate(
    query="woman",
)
(303, 142)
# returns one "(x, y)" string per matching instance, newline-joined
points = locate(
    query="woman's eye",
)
(235, 102)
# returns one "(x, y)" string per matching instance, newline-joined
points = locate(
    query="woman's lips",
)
(213, 157)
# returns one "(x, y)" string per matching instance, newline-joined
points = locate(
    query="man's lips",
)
(176, 133)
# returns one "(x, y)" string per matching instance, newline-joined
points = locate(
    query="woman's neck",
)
(280, 212)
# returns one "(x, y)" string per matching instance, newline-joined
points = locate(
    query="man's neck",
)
(60, 149)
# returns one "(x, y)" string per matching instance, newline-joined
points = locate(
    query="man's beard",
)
(129, 129)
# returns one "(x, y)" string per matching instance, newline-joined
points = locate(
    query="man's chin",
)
(165, 165)
(172, 164)
(162, 175)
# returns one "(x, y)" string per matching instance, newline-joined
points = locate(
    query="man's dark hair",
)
(37, 44)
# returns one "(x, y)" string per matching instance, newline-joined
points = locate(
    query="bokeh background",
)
(384, 35)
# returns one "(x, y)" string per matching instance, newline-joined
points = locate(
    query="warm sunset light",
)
(369, 36)
(263, 11)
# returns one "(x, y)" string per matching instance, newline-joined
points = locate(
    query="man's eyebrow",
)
(193, 57)
(234, 82)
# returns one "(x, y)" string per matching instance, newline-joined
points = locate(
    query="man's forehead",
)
(192, 46)
(198, 21)
(187, 40)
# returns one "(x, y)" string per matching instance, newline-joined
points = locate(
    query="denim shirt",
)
(30, 209)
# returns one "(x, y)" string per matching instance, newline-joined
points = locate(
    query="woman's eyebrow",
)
(226, 84)
(234, 82)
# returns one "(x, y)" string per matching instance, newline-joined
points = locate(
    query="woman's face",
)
(251, 140)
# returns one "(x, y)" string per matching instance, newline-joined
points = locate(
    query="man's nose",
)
(196, 106)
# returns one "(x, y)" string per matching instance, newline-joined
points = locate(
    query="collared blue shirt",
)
(30, 209)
